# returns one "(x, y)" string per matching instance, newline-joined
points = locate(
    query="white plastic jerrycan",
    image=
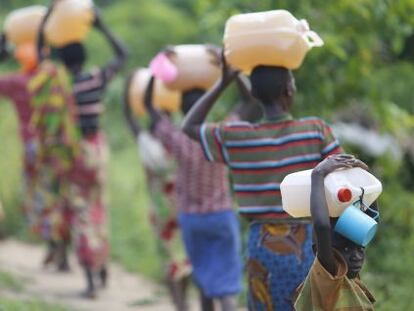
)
(69, 22)
(164, 98)
(21, 26)
(272, 38)
(196, 68)
(342, 188)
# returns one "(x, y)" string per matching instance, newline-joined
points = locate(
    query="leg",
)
(103, 275)
(50, 253)
(90, 219)
(90, 291)
(184, 282)
(207, 304)
(228, 303)
(176, 293)
(62, 257)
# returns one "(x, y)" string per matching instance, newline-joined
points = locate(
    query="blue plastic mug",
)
(356, 226)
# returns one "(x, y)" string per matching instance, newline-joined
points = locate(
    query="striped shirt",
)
(89, 89)
(201, 186)
(261, 155)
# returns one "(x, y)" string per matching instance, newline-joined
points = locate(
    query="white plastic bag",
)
(152, 152)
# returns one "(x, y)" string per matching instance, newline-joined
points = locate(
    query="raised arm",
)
(198, 113)
(3, 47)
(154, 114)
(319, 209)
(119, 49)
(41, 35)
(132, 123)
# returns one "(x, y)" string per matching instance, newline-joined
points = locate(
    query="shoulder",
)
(236, 126)
(311, 121)
(237, 123)
(314, 123)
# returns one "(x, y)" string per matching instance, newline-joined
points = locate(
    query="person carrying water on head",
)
(88, 176)
(259, 155)
(210, 229)
(160, 172)
(43, 201)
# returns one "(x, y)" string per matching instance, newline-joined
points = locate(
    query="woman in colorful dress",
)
(88, 176)
(39, 199)
(160, 168)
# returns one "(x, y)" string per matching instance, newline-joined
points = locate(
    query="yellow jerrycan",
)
(21, 26)
(272, 38)
(163, 98)
(196, 68)
(69, 22)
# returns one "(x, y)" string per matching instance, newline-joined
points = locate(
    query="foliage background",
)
(365, 68)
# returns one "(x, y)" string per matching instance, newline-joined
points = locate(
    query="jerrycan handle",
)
(313, 39)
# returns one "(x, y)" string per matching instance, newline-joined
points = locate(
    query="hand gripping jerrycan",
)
(272, 38)
(164, 99)
(21, 26)
(342, 188)
(69, 22)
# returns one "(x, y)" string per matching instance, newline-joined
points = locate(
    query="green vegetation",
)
(10, 282)
(29, 305)
(367, 64)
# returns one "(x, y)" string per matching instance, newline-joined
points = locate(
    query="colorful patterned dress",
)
(161, 184)
(87, 189)
(88, 178)
(57, 150)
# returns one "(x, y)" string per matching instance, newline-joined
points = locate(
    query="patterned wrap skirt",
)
(279, 258)
(87, 189)
(46, 198)
(163, 218)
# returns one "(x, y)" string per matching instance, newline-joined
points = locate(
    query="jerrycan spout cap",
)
(344, 195)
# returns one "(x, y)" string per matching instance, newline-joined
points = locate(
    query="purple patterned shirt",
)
(201, 186)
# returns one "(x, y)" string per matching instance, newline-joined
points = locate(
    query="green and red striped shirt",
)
(260, 155)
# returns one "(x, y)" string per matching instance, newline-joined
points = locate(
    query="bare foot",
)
(103, 276)
(63, 266)
(89, 294)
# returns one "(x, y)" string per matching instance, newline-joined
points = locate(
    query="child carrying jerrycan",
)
(349, 192)
(333, 281)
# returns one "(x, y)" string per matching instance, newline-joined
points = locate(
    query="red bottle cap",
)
(344, 195)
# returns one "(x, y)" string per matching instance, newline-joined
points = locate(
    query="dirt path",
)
(125, 291)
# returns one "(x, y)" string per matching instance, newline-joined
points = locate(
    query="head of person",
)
(272, 84)
(73, 56)
(353, 254)
(189, 98)
(26, 56)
